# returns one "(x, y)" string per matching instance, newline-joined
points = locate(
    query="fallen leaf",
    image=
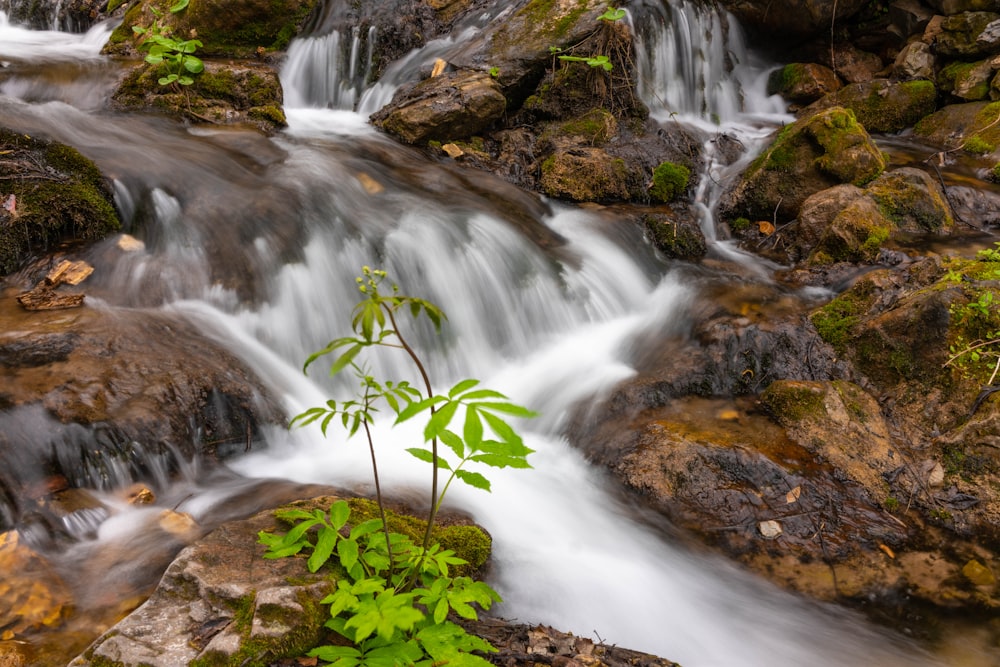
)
(452, 150)
(887, 551)
(129, 243)
(439, 66)
(793, 495)
(729, 415)
(370, 185)
(765, 227)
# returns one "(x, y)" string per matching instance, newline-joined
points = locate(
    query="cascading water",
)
(693, 67)
(551, 328)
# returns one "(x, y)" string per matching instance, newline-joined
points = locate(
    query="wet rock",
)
(976, 207)
(95, 395)
(230, 93)
(881, 105)
(913, 200)
(216, 596)
(455, 105)
(967, 81)
(803, 83)
(960, 34)
(816, 152)
(791, 18)
(677, 237)
(34, 595)
(840, 423)
(952, 125)
(61, 198)
(226, 28)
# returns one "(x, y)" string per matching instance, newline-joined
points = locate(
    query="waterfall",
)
(547, 311)
(692, 61)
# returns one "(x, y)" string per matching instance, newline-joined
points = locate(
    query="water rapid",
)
(258, 241)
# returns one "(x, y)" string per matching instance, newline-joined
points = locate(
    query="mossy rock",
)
(226, 28)
(225, 93)
(912, 200)
(803, 83)
(816, 152)
(59, 197)
(790, 401)
(856, 234)
(585, 175)
(677, 239)
(953, 125)
(884, 106)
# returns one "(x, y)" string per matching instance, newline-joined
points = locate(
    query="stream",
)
(257, 241)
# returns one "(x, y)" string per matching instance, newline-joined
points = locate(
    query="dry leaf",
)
(452, 150)
(887, 551)
(793, 495)
(370, 185)
(765, 227)
(130, 243)
(729, 415)
(439, 66)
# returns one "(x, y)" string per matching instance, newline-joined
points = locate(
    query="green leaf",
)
(440, 419)
(325, 542)
(473, 479)
(501, 461)
(194, 65)
(428, 457)
(473, 430)
(340, 656)
(417, 407)
(343, 360)
(331, 346)
(347, 550)
(453, 442)
(340, 512)
(179, 6)
(441, 611)
(507, 408)
(462, 387)
(366, 528)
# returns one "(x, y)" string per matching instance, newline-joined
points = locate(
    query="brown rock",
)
(454, 105)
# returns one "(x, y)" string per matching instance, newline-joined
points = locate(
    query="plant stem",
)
(432, 512)
(378, 487)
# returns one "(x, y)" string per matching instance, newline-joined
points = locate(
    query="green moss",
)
(835, 321)
(469, 542)
(540, 13)
(740, 224)
(840, 136)
(791, 401)
(596, 127)
(268, 114)
(977, 145)
(669, 181)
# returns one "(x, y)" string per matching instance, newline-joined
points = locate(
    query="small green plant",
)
(176, 54)
(394, 596)
(495, 72)
(891, 504)
(603, 61)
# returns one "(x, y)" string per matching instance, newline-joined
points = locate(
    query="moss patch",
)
(669, 181)
(791, 401)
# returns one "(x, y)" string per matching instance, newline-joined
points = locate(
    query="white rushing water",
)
(551, 330)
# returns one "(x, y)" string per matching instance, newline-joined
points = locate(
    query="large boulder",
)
(816, 152)
(881, 105)
(966, 36)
